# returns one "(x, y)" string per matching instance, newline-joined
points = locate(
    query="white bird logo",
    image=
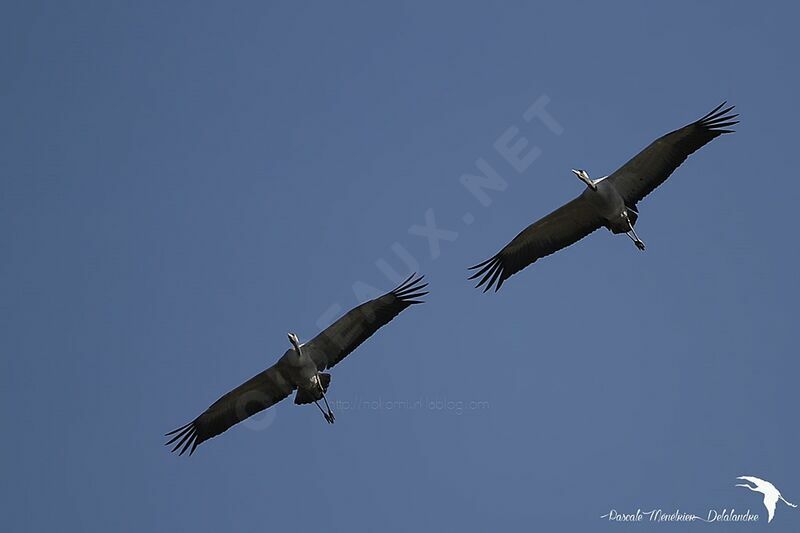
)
(771, 494)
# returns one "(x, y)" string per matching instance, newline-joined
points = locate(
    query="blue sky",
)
(184, 184)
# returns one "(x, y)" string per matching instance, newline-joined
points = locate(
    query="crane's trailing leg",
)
(319, 378)
(632, 232)
(636, 240)
(329, 415)
(321, 410)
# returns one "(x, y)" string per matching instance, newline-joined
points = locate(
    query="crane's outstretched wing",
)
(652, 166)
(256, 394)
(565, 226)
(346, 334)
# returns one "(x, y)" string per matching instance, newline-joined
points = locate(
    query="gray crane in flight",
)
(608, 202)
(300, 368)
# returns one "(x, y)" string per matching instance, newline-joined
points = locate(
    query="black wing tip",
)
(492, 274)
(411, 289)
(719, 119)
(186, 437)
(481, 264)
(713, 111)
(177, 430)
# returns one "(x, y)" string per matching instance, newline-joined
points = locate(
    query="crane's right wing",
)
(254, 395)
(565, 226)
(339, 339)
(652, 166)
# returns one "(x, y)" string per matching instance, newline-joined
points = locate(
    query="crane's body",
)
(302, 372)
(298, 368)
(609, 204)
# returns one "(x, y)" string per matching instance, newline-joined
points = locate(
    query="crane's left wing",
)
(565, 226)
(652, 166)
(346, 334)
(254, 395)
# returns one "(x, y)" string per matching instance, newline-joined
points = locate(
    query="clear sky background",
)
(184, 183)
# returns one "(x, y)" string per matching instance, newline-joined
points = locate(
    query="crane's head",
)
(295, 341)
(584, 177)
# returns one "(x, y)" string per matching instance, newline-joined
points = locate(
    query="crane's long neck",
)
(297, 349)
(584, 177)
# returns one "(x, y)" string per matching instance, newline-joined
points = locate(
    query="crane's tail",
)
(787, 503)
(305, 396)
